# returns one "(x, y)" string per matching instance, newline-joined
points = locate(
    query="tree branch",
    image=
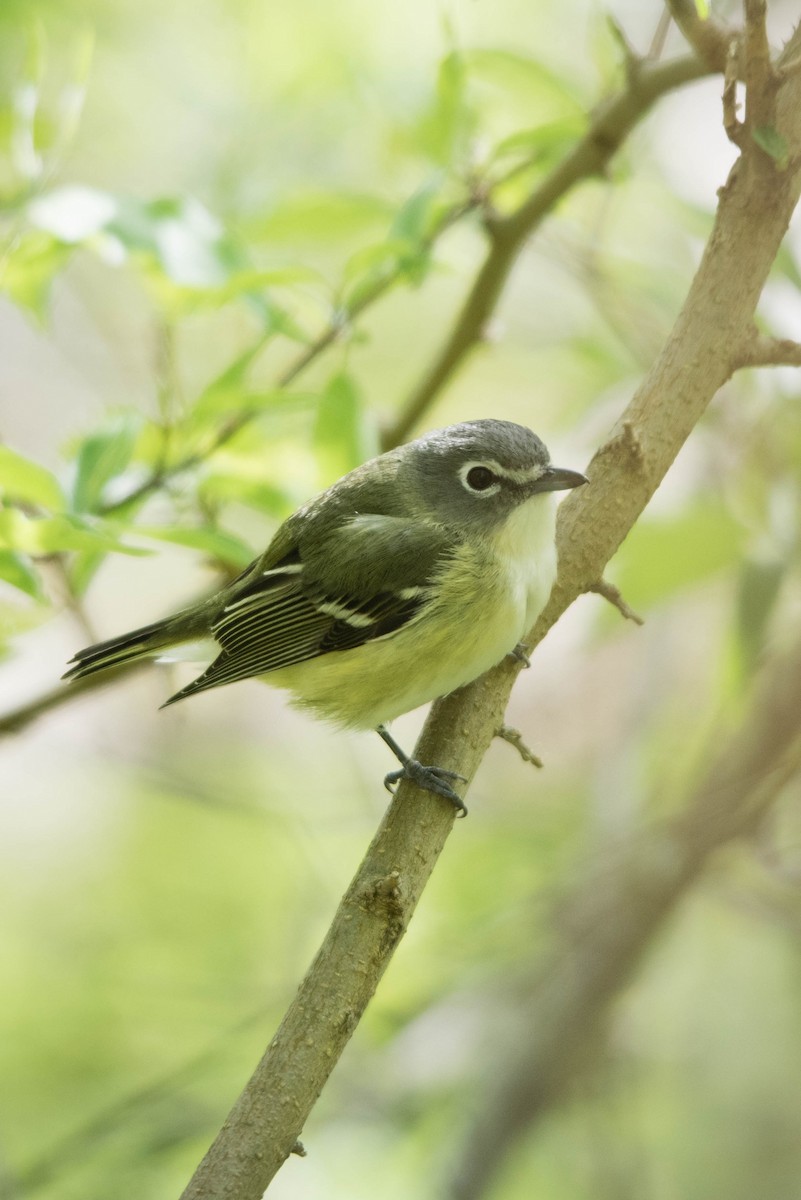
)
(611, 919)
(709, 37)
(753, 214)
(611, 593)
(761, 350)
(609, 127)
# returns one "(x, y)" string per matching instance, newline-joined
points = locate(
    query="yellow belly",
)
(492, 600)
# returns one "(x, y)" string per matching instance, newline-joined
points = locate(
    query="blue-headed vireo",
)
(405, 580)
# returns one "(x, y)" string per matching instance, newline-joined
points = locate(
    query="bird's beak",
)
(558, 479)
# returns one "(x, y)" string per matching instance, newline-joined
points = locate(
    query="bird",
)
(404, 580)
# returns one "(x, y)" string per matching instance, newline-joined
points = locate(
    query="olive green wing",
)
(365, 580)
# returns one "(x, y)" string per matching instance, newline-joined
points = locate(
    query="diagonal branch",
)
(699, 356)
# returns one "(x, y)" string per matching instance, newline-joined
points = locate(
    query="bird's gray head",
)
(479, 471)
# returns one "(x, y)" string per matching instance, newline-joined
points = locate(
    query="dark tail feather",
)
(139, 643)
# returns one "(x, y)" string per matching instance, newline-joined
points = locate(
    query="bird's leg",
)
(431, 779)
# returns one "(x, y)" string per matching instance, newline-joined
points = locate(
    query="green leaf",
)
(542, 144)
(73, 213)
(26, 98)
(56, 535)
(445, 129)
(217, 543)
(412, 222)
(82, 569)
(101, 457)
(660, 556)
(322, 216)
(342, 437)
(772, 142)
(759, 587)
(30, 268)
(527, 81)
(702, 8)
(17, 570)
(22, 479)
(226, 389)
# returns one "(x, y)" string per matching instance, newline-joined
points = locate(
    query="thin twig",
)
(609, 592)
(515, 738)
(710, 38)
(761, 350)
(733, 126)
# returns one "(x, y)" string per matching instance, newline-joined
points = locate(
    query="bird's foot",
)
(431, 779)
(521, 654)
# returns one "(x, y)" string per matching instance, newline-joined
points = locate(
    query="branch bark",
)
(700, 355)
(610, 921)
(709, 37)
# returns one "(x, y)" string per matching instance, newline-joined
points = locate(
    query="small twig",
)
(660, 36)
(760, 77)
(515, 738)
(731, 122)
(612, 594)
(762, 350)
(632, 61)
(17, 718)
(710, 39)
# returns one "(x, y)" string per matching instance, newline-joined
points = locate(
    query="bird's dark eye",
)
(478, 479)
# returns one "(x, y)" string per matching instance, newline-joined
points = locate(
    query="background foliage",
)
(232, 238)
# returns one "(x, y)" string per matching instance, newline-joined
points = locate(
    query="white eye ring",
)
(467, 468)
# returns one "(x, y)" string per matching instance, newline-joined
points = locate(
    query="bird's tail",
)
(146, 642)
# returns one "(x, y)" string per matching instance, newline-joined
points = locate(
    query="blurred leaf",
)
(29, 269)
(55, 535)
(222, 483)
(25, 98)
(322, 216)
(73, 213)
(772, 142)
(17, 570)
(215, 542)
(660, 556)
(542, 144)
(444, 131)
(342, 437)
(412, 223)
(702, 8)
(102, 456)
(244, 404)
(82, 568)
(532, 85)
(226, 390)
(22, 479)
(185, 255)
(758, 590)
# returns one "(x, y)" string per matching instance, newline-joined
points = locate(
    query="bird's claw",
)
(430, 779)
(521, 654)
